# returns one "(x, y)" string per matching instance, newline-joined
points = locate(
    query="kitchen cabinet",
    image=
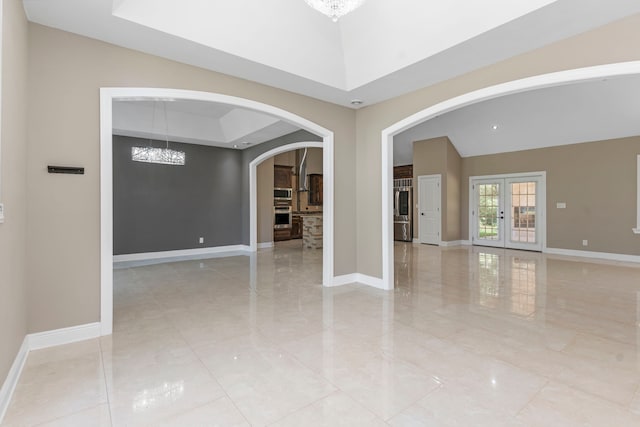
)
(296, 227)
(315, 189)
(282, 176)
(281, 234)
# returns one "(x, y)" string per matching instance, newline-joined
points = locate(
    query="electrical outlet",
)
(585, 243)
(201, 240)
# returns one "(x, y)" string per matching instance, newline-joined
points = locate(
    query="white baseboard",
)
(344, 280)
(370, 281)
(10, 383)
(357, 278)
(39, 341)
(455, 243)
(593, 255)
(416, 240)
(63, 336)
(265, 245)
(183, 253)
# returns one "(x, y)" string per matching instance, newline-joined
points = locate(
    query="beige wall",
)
(13, 182)
(65, 74)
(429, 158)
(596, 180)
(265, 201)
(453, 190)
(437, 156)
(616, 42)
(314, 165)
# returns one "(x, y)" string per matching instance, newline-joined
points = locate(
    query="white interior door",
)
(508, 211)
(429, 212)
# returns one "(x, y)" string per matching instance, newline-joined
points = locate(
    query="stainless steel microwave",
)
(282, 194)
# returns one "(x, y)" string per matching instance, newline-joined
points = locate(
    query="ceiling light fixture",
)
(162, 156)
(356, 102)
(335, 9)
(494, 127)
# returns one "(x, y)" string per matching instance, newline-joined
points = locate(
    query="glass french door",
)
(506, 212)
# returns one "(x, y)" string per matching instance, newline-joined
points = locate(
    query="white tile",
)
(531, 340)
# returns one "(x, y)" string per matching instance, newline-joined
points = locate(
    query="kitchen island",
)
(312, 230)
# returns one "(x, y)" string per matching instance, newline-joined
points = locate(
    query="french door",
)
(508, 211)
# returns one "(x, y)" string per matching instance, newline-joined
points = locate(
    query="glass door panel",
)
(488, 212)
(522, 214)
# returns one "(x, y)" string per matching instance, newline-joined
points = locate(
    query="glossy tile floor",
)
(469, 337)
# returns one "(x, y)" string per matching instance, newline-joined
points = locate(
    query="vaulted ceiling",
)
(381, 50)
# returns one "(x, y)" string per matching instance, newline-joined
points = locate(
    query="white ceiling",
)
(381, 50)
(195, 122)
(570, 114)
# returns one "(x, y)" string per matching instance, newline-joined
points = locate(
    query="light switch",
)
(561, 205)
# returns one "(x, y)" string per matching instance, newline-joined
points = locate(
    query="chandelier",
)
(334, 9)
(161, 156)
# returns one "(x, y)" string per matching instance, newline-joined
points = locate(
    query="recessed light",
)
(235, 145)
(357, 102)
(494, 127)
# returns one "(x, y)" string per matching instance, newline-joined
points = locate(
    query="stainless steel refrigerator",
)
(403, 209)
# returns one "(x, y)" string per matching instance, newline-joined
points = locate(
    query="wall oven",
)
(282, 217)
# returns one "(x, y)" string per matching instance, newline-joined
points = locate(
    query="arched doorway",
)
(108, 95)
(508, 88)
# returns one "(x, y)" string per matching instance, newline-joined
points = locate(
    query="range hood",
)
(302, 173)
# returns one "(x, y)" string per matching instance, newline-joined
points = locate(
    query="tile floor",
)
(469, 337)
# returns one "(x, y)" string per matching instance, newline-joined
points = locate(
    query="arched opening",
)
(509, 88)
(108, 95)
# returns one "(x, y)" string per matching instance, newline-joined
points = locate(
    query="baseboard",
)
(593, 255)
(370, 281)
(416, 240)
(63, 336)
(10, 383)
(455, 243)
(357, 278)
(265, 245)
(344, 280)
(39, 341)
(197, 252)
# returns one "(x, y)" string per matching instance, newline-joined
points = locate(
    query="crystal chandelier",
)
(161, 156)
(334, 9)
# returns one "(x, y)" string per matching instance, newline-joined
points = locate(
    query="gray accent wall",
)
(163, 207)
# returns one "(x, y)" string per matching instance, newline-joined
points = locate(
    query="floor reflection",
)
(469, 336)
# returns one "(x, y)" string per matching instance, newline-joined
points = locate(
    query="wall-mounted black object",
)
(66, 169)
